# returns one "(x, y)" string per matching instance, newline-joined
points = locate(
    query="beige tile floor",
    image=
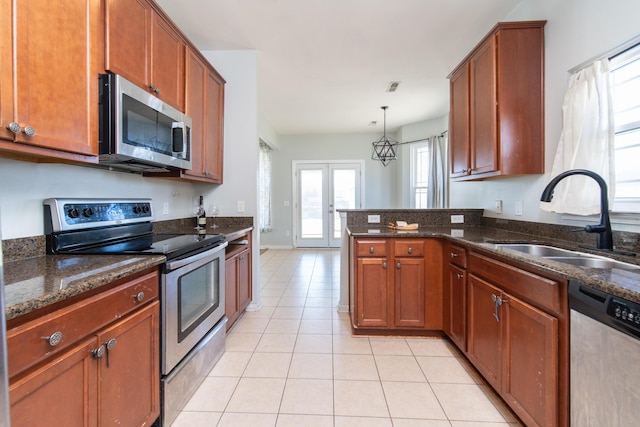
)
(295, 363)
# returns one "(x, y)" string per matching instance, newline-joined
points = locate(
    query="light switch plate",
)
(457, 219)
(519, 208)
(240, 205)
(373, 219)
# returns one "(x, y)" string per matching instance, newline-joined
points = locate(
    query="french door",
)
(321, 189)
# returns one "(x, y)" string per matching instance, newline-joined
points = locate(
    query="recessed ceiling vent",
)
(373, 122)
(393, 86)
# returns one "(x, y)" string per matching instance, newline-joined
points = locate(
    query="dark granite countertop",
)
(618, 282)
(34, 280)
(34, 283)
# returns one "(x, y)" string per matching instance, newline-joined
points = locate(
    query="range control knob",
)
(73, 213)
(87, 212)
(145, 208)
(137, 209)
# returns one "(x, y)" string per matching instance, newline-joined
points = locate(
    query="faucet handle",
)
(595, 228)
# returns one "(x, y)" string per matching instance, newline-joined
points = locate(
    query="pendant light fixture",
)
(384, 149)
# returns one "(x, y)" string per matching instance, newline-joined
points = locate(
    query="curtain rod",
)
(424, 139)
(608, 54)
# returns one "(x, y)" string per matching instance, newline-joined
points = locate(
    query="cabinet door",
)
(485, 331)
(231, 290)
(214, 124)
(459, 122)
(456, 306)
(244, 280)
(372, 292)
(167, 63)
(129, 372)
(6, 74)
(61, 392)
(530, 376)
(196, 72)
(483, 107)
(205, 106)
(128, 32)
(409, 295)
(55, 75)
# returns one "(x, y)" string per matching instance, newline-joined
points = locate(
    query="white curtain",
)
(586, 142)
(265, 222)
(436, 190)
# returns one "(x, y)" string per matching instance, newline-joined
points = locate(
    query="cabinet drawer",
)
(541, 291)
(34, 341)
(404, 247)
(457, 256)
(372, 248)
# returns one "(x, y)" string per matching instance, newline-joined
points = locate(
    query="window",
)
(419, 175)
(625, 81)
(265, 222)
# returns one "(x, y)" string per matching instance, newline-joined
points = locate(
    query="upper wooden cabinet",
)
(50, 58)
(497, 104)
(205, 106)
(145, 49)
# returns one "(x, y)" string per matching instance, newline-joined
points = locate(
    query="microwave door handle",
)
(178, 137)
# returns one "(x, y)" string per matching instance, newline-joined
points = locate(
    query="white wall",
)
(25, 185)
(576, 31)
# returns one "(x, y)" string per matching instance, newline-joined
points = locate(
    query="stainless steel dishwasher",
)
(605, 359)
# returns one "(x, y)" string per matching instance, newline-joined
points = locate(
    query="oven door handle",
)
(174, 265)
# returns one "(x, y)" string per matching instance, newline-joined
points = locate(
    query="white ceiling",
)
(324, 65)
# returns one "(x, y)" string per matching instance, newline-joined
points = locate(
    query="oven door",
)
(192, 302)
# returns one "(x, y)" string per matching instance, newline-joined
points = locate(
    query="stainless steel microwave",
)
(138, 132)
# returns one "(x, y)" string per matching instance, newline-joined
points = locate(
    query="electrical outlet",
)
(372, 219)
(285, 203)
(165, 208)
(240, 205)
(498, 207)
(287, 233)
(519, 208)
(457, 219)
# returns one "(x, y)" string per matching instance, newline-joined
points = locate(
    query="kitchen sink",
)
(539, 250)
(567, 256)
(593, 262)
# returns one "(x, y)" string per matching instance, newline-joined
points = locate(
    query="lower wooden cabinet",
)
(397, 284)
(514, 340)
(109, 377)
(455, 295)
(238, 283)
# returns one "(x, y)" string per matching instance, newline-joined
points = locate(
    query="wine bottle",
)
(201, 218)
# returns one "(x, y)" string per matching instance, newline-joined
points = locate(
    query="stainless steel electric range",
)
(193, 324)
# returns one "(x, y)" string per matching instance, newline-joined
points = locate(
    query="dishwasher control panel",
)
(625, 311)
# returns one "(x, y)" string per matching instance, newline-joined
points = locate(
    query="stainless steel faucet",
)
(604, 238)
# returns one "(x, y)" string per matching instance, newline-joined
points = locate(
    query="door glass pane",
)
(312, 223)
(344, 195)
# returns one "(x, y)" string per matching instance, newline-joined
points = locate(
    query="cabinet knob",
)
(453, 254)
(29, 131)
(398, 266)
(98, 353)
(13, 127)
(410, 250)
(468, 170)
(110, 344)
(371, 250)
(459, 276)
(54, 339)
(139, 296)
(384, 265)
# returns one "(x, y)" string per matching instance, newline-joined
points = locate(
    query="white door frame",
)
(294, 187)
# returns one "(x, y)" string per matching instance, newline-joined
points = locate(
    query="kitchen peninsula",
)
(506, 310)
